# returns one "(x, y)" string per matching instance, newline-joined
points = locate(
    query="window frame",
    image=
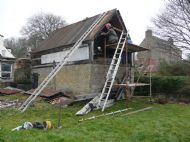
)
(9, 71)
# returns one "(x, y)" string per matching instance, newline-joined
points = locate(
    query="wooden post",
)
(127, 73)
(150, 77)
(105, 60)
(91, 51)
(54, 80)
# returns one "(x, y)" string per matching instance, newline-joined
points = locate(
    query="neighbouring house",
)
(6, 63)
(85, 73)
(159, 51)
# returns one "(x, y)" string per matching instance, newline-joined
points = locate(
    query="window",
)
(5, 71)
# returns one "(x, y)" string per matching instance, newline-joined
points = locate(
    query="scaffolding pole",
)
(105, 114)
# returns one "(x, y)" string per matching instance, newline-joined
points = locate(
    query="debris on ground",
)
(63, 101)
(8, 104)
(38, 125)
(161, 99)
(55, 97)
(26, 126)
(10, 90)
(47, 93)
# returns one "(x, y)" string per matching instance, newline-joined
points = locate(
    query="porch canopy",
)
(130, 47)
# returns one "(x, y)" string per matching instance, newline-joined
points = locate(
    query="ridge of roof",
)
(69, 34)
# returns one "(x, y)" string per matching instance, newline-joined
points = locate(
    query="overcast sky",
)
(136, 14)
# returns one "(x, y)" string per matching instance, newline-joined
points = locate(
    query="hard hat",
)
(47, 124)
(108, 25)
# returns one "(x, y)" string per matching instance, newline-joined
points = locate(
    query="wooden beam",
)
(131, 84)
(117, 29)
(140, 110)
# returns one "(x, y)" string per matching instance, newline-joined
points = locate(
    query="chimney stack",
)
(148, 33)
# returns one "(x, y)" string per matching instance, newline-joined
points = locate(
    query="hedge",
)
(168, 85)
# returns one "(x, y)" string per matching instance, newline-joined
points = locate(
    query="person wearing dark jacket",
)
(110, 34)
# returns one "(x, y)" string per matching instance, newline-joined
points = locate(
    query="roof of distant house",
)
(161, 43)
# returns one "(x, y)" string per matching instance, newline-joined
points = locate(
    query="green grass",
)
(163, 123)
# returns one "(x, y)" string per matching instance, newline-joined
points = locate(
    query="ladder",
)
(113, 70)
(45, 82)
(96, 102)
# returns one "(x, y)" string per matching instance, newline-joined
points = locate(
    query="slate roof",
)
(70, 34)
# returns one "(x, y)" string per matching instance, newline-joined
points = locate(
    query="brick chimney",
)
(148, 33)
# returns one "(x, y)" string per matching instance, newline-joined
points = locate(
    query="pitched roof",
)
(71, 33)
(4, 52)
(163, 44)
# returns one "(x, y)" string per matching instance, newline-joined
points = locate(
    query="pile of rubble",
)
(55, 97)
(8, 104)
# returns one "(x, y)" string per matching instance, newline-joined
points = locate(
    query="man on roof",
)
(111, 35)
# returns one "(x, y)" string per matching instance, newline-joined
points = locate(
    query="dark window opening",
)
(6, 75)
(5, 67)
(5, 71)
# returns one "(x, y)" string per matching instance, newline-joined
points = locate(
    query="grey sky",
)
(137, 14)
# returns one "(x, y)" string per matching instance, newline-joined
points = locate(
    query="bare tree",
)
(174, 22)
(18, 46)
(39, 27)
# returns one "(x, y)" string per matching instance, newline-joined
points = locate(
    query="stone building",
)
(84, 75)
(160, 50)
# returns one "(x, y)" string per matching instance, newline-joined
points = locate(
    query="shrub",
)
(167, 85)
(180, 68)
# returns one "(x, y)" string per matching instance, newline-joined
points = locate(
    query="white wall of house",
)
(80, 54)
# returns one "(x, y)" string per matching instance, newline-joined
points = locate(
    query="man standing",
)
(110, 34)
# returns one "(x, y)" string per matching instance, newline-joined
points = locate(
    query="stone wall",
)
(160, 50)
(76, 80)
(98, 74)
(73, 79)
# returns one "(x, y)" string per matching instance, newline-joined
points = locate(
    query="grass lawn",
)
(163, 123)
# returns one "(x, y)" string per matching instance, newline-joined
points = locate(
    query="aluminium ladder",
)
(45, 82)
(113, 70)
(96, 102)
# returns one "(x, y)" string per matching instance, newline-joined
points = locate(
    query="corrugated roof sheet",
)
(71, 33)
(47, 92)
(8, 91)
